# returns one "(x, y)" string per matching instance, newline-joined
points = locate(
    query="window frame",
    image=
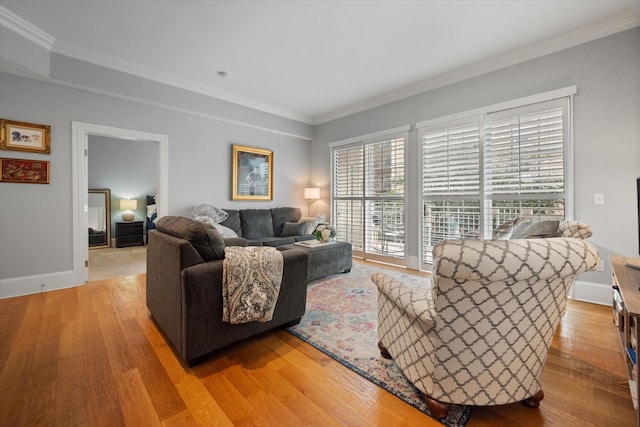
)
(480, 116)
(365, 198)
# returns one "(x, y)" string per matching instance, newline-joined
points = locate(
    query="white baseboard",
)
(596, 293)
(19, 286)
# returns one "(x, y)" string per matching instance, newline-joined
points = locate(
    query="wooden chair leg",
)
(534, 401)
(383, 351)
(438, 409)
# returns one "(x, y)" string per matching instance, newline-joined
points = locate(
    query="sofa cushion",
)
(203, 237)
(293, 229)
(235, 241)
(277, 241)
(256, 223)
(282, 215)
(233, 221)
(535, 230)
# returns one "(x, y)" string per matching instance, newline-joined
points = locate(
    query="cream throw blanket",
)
(251, 283)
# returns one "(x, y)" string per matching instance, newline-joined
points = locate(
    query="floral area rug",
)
(342, 321)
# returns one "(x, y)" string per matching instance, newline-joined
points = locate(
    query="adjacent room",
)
(355, 213)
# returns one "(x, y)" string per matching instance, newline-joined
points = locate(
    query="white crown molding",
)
(20, 26)
(152, 74)
(26, 29)
(601, 29)
(178, 109)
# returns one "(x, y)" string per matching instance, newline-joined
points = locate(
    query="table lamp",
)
(128, 205)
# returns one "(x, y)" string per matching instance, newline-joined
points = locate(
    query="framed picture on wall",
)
(28, 137)
(24, 171)
(252, 173)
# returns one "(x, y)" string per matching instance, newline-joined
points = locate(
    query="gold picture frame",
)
(252, 173)
(24, 171)
(27, 137)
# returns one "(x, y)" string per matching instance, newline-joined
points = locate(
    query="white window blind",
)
(524, 154)
(524, 163)
(450, 185)
(481, 171)
(348, 177)
(348, 190)
(451, 161)
(385, 168)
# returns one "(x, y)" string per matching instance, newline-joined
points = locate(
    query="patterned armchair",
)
(480, 333)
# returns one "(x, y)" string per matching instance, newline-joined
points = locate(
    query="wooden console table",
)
(626, 315)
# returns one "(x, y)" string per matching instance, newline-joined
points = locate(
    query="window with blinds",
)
(450, 185)
(524, 164)
(485, 170)
(348, 192)
(368, 196)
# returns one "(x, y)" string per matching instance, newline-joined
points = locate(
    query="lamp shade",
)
(128, 205)
(312, 193)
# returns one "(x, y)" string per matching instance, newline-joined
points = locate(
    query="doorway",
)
(80, 137)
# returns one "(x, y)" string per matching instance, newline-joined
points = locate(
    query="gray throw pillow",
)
(293, 229)
(256, 223)
(233, 221)
(535, 230)
(282, 215)
(504, 230)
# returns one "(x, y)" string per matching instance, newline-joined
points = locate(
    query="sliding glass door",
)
(368, 197)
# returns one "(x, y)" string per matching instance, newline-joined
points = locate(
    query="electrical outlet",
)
(601, 265)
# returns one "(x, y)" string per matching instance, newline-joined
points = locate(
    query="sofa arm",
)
(487, 261)
(236, 241)
(203, 330)
(415, 301)
(576, 229)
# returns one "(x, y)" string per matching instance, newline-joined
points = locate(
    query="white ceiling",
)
(318, 60)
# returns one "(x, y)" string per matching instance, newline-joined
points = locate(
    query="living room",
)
(198, 169)
(41, 246)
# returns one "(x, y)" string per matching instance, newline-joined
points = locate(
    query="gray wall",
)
(606, 123)
(36, 220)
(129, 169)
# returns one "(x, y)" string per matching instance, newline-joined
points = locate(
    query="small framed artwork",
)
(252, 173)
(26, 171)
(21, 136)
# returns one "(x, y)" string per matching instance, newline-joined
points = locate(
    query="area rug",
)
(342, 321)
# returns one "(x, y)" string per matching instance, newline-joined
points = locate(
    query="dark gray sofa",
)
(267, 227)
(184, 294)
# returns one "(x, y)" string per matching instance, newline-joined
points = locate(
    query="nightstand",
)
(129, 234)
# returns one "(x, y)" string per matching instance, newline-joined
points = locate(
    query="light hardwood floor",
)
(91, 356)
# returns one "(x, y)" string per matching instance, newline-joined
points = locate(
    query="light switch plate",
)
(598, 199)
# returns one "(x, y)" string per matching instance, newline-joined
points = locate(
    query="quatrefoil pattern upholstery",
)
(480, 332)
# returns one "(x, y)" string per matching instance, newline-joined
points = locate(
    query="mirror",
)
(99, 218)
